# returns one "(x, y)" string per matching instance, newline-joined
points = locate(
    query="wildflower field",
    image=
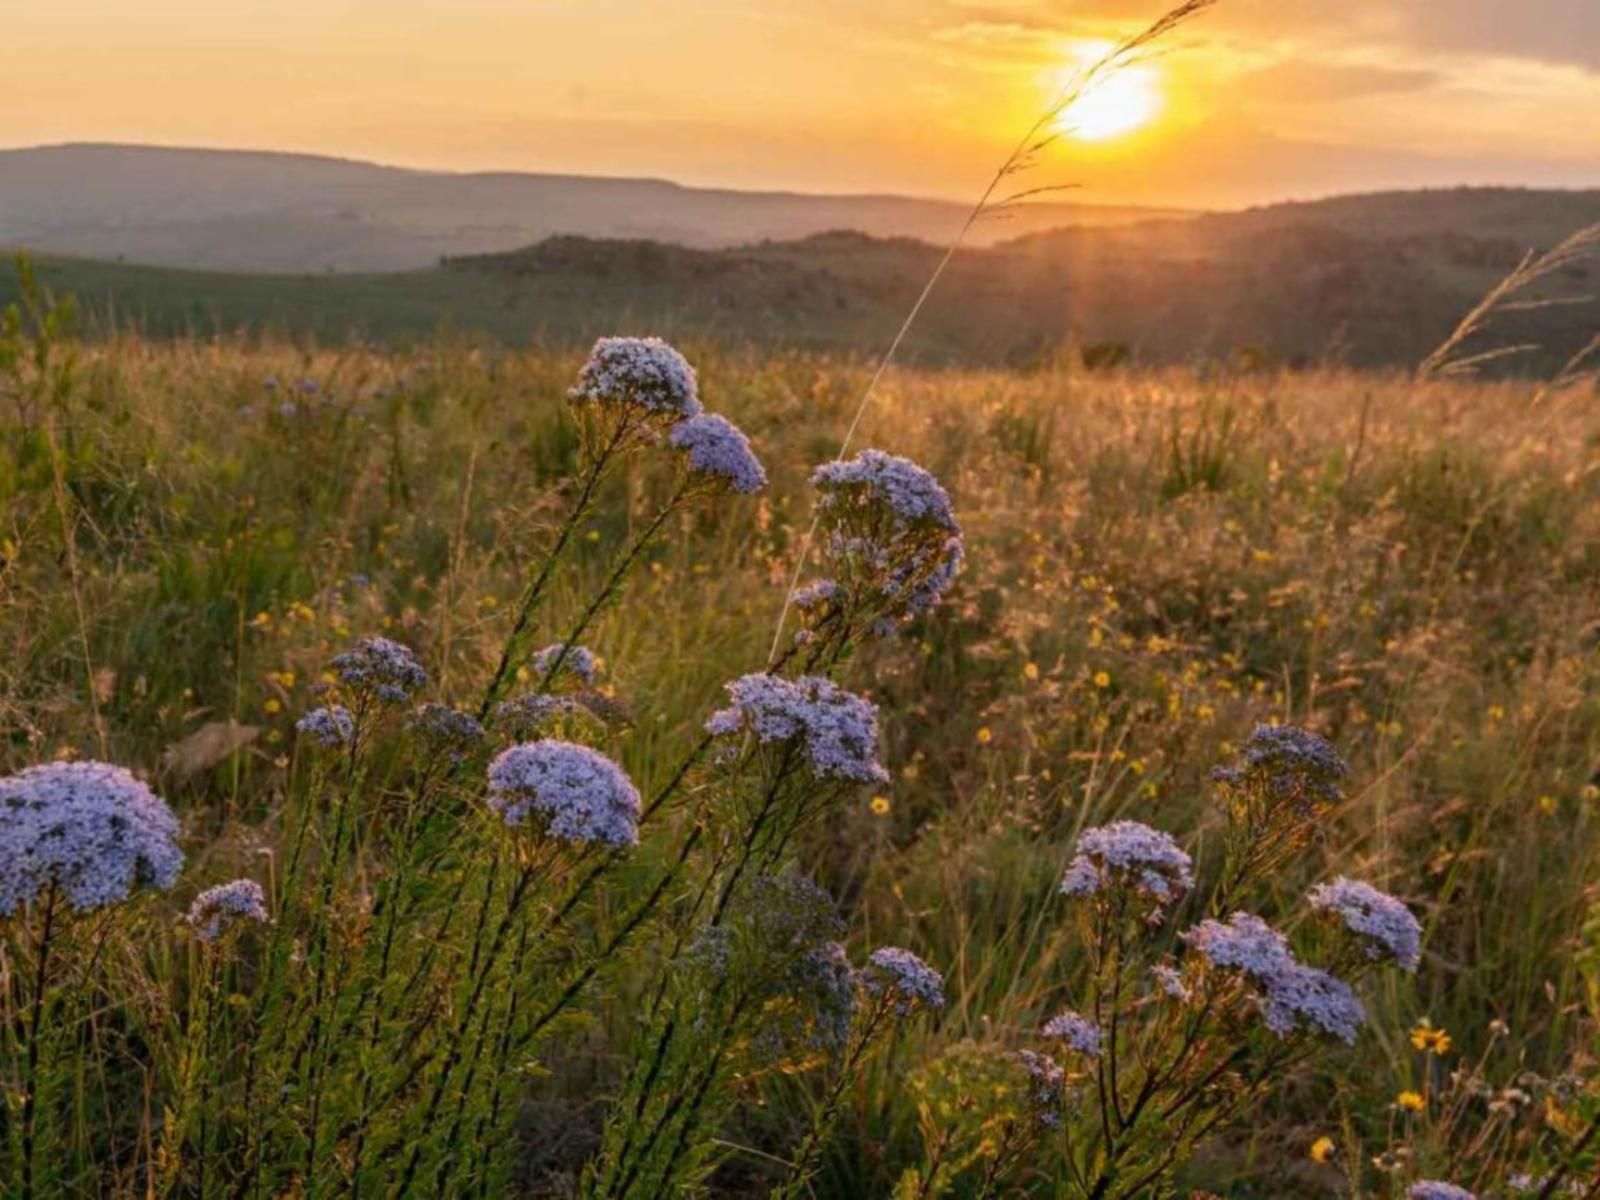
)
(1171, 782)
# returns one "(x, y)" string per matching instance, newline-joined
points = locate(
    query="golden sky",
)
(1259, 100)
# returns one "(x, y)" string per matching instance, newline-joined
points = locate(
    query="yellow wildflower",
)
(1322, 1150)
(1410, 1101)
(1426, 1038)
(879, 805)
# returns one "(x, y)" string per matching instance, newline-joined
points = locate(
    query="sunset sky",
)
(1259, 100)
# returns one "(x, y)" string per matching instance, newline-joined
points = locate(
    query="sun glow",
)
(1116, 103)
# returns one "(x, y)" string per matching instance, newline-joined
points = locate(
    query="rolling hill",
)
(252, 211)
(1367, 280)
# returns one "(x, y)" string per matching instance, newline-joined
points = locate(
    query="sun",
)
(1116, 103)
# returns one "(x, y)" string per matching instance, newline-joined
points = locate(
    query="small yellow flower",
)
(985, 736)
(1030, 672)
(1322, 1150)
(1102, 679)
(263, 620)
(1426, 1038)
(273, 706)
(1547, 804)
(879, 805)
(523, 675)
(1410, 1101)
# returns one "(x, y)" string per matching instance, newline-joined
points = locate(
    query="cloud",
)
(1303, 82)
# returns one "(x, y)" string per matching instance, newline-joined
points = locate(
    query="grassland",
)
(1158, 560)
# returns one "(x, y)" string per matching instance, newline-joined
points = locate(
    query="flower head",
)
(1385, 925)
(329, 726)
(381, 668)
(578, 794)
(1127, 853)
(638, 375)
(1410, 1101)
(1291, 996)
(887, 528)
(718, 450)
(446, 730)
(1078, 1032)
(1290, 765)
(905, 978)
(873, 479)
(1046, 1079)
(1429, 1039)
(837, 730)
(1170, 980)
(217, 908)
(1433, 1189)
(88, 828)
(579, 661)
(1322, 1150)
(530, 716)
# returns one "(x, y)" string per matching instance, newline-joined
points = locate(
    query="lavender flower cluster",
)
(890, 531)
(579, 661)
(381, 668)
(1128, 853)
(1046, 1079)
(330, 726)
(1080, 1034)
(218, 908)
(578, 794)
(88, 828)
(719, 450)
(837, 729)
(1384, 925)
(1291, 994)
(528, 716)
(904, 977)
(873, 478)
(1293, 764)
(1433, 1189)
(446, 730)
(644, 373)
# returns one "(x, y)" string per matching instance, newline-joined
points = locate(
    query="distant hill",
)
(250, 211)
(1369, 280)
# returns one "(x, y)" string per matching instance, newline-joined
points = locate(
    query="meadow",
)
(1157, 562)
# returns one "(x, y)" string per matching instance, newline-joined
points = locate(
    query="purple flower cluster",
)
(446, 730)
(578, 660)
(904, 977)
(1384, 924)
(873, 478)
(382, 668)
(1292, 764)
(1291, 994)
(1170, 980)
(645, 373)
(527, 716)
(824, 979)
(1127, 852)
(330, 726)
(1433, 1189)
(718, 449)
(838, 729)
(577, 794)
(88, 828)
(815, 594)
(217, 908)
(1079, 1033)
(890, 533)
(1046, 1078)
